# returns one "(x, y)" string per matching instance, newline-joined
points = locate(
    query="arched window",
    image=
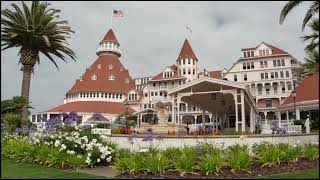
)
(110, 66)
(93, 77)
(99, 66)
(127, 80)
(111, 77)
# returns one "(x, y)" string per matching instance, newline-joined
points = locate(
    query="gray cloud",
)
(151, 35)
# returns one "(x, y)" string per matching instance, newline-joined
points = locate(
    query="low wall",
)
(227, 140)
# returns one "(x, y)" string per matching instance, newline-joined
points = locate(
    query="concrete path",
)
(100, 171)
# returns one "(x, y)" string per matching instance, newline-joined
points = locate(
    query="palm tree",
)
(35, 29)
(312, 11)
(314, 37)
(311, 64)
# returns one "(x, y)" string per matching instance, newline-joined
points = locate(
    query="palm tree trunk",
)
(27, 69)
(28, 59)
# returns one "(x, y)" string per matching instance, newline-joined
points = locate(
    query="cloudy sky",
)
(151, 35)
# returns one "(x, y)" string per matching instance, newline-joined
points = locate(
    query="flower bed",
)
(213, 160)
(67, 148)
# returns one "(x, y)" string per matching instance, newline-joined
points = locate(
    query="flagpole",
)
(111, 19)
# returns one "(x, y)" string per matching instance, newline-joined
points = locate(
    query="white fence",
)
(101, 131)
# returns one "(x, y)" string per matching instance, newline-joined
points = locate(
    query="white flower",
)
(143, 150)
(109, 159)
(79, 156)
(103, 156)
(94, 140)
(63, 146)
(89, 154)
(98, 160)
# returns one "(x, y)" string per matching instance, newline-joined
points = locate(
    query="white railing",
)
(101, 131)
(293, 129)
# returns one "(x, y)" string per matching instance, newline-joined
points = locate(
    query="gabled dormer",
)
(168, 72)
(262, 50)
(133, 95)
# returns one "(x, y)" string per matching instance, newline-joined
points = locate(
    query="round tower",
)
(109, 45)
(187, 62)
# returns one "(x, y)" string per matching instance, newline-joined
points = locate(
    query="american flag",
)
(117, 13)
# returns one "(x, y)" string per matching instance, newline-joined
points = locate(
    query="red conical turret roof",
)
(110, 37)
(104, 67)
(186, 51)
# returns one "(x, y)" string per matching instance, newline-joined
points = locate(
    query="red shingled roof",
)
(175, 75)
(275, 52)
(307, 90)
(247, 49)
(93, 106)
(102, 84)
(186, 51)
(215, 74)
(110, 37)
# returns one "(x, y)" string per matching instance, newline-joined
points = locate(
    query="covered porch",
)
(230, 103)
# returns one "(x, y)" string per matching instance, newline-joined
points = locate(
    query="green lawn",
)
(306, 174)
(13, 170)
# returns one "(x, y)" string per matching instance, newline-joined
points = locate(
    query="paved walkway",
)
(100, 171)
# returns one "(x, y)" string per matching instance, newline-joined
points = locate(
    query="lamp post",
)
(294, 94)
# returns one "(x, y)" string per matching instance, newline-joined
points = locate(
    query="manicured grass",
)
(306, 174)
(14, 170)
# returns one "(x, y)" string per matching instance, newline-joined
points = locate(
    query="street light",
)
(294, 94)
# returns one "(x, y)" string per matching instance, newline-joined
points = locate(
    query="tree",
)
(13, 105)
(34, 29)
(311, 64)
(311, 12)
(314, 37)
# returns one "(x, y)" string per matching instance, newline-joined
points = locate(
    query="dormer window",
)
(99, 66)
(127, 80)
(110, 66)
(111, 77)
(94, 77)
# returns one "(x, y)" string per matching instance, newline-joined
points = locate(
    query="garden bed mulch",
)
(254, 171)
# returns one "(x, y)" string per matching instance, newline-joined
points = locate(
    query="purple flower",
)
(148, 138)
(64, 115)
(3, 127)
(130, 138)
(274, 126)
(96, 116)
(149, 130)
(18, 130)
(198, 147)
(159, 137)
(258, 119)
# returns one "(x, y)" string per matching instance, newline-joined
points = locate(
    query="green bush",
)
(131, 123)
(130, 164)
(172, 154)
(187, 160)
(21, 150)
(11, 122)
(238, 157)
(211, 163)
(289, 153)
(156, 163)
(267, 154)
(310, 151)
